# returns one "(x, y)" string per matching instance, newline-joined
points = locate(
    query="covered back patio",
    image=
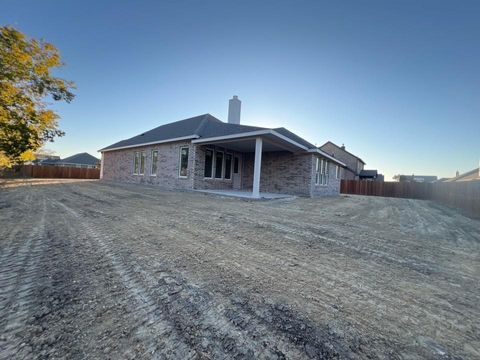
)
(258, 164)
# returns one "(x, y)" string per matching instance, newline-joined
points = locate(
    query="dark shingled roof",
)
(81, 159)
(368, 173)
(294, 137)
(203, 126)
(172, 130)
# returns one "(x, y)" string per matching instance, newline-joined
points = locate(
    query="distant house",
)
(205, 153)
(417, 178)
(354, 165)
(468, 176)
(81, 160)
(354, 169)
(371, 175)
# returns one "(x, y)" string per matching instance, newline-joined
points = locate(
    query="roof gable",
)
(340, 148)
(81, 158)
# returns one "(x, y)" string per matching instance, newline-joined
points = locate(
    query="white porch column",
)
(101, 166)
(257, 168)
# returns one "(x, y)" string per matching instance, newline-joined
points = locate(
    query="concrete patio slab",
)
(247, 194)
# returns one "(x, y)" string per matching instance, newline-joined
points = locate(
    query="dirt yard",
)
(94, 270)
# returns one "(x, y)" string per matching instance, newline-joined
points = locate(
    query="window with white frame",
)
(218, 164)
(338, 170)
(142, 163)
(183, 166)
(321, 171)
(208, 171)
(228, 167)
(154, 165)
(136, 163)
(325, 172)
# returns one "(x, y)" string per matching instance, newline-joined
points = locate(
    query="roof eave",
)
(250, 134)
(150, 143)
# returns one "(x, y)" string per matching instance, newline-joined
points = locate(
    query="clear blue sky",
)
(398, 82)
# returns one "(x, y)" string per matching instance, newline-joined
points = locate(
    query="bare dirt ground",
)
(94, 270)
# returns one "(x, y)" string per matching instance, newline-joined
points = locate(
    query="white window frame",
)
(180, 162)
(153, 163)
(321, 172)
(326, 174)
(225, 165)
(337, 172)
(215, 166)
(142, 156)
(213, 163)
(136, 158)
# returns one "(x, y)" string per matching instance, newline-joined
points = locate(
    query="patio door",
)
(237, 172)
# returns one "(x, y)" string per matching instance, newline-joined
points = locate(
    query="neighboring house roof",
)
(418, 178)
(341, 148)
(368, 173)
(468, 176)
(80, 159)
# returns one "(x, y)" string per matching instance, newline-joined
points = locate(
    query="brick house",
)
(353, 164)
(204, 153)
(472, 175)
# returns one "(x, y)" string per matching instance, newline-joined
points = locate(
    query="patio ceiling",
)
(247, 144)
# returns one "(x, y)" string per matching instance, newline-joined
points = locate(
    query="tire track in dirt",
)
(19, 276)
(168, 340)
(216, 330)
(223, 254)
(151, 213)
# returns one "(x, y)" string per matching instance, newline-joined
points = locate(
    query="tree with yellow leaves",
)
(26, 83)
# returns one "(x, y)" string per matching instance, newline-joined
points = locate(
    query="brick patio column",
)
(257, 167)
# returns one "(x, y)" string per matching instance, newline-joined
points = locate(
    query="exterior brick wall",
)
(118, 166)
(282, 172)
(200, 182)
(333, 184)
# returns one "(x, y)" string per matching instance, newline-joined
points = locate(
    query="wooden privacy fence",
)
(388, 189)
(49, 171)
(464, 195)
